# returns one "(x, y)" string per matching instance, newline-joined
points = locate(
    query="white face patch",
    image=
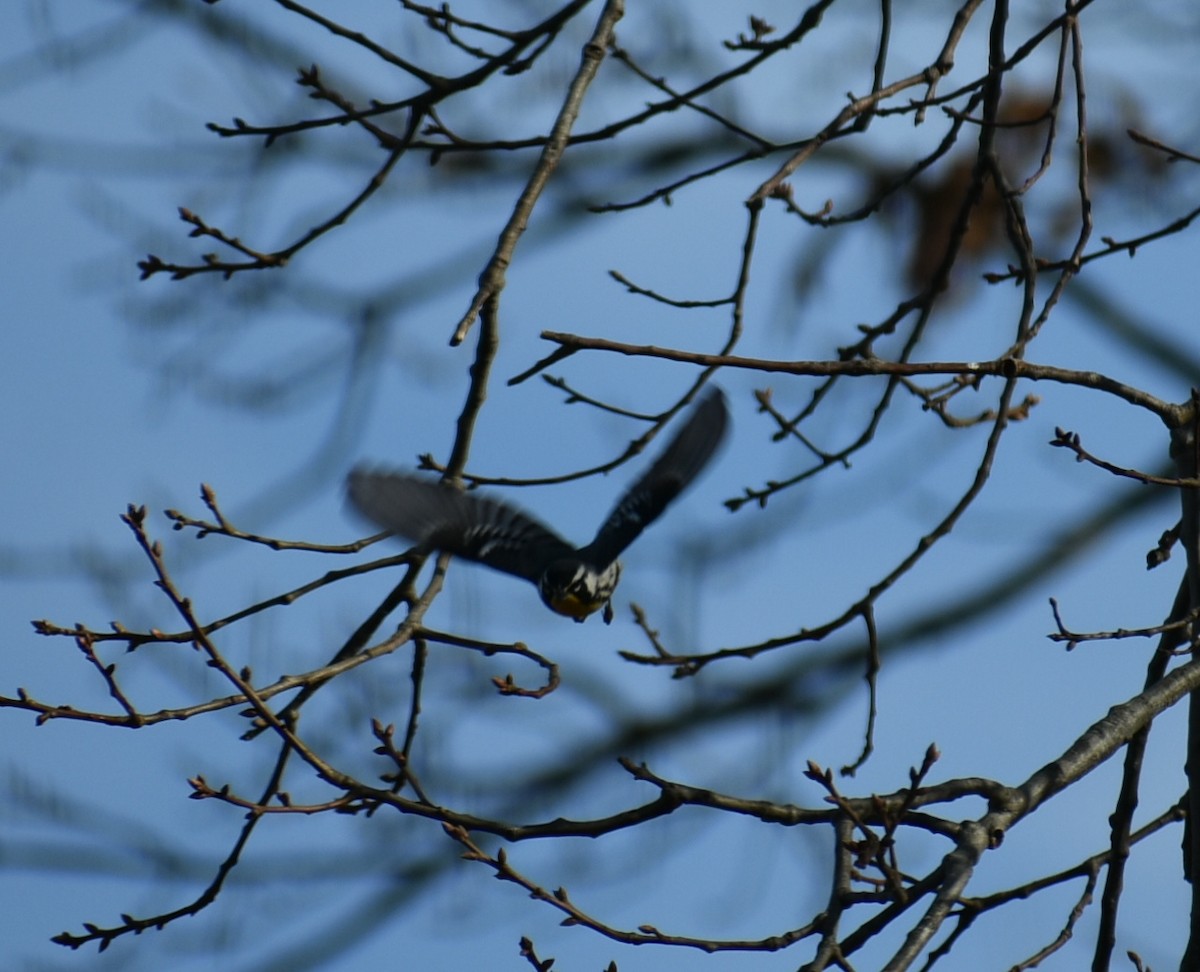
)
(594, 586)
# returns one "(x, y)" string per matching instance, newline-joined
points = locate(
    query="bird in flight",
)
(572, 581)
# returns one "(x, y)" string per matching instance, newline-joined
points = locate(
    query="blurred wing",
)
(681, 462)
(437, 517)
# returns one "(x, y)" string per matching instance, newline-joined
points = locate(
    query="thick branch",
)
(859, 367)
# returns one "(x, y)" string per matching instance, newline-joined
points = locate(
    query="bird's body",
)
(575, 582)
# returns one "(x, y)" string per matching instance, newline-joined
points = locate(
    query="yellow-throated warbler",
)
(575, 582)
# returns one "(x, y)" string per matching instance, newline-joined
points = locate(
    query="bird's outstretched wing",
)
(437, 517)
(680, 462)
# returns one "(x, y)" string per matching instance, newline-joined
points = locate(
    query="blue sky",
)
(270, 386)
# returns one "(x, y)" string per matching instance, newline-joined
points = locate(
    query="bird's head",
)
(576, 589)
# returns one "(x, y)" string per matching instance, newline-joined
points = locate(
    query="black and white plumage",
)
(575, 582)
